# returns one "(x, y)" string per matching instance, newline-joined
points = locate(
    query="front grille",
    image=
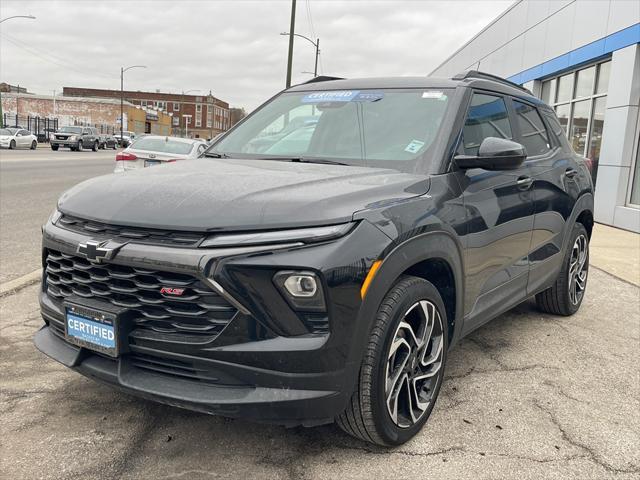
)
(198, 315)
(61, 137)
(137, 234)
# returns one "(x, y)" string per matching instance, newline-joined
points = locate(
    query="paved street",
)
(528, 396)
(30, 184)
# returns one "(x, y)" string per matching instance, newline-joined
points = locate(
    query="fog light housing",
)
(301, 285)
(302, 290)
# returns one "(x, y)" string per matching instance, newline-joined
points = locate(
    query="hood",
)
(212, 194)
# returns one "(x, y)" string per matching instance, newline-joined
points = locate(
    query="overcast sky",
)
(232, 48)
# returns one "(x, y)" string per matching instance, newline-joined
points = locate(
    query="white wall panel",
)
(622, 14)
(517, 23)
(589, 21)
(536, 12)
(534, 45)
(514, 56)
(559, 32)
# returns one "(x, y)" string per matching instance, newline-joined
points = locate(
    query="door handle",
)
(571, 172)
(524, 182)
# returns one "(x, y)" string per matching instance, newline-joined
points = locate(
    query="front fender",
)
(430, 245)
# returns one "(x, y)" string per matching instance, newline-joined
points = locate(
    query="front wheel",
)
(54, 147)
(79, 147)
(565, 296)
(34, 145)
(403, 366)
(12, 144)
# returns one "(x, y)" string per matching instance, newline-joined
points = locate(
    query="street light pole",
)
(31, 17)
(291, 30)
(122, 70)
(316, 44)
(193, 90)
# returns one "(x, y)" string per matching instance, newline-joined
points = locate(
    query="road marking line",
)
(19, 283)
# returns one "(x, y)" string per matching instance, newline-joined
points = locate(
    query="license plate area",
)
(92, 328)
(151, 163)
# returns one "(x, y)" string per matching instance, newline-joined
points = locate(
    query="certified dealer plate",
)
(91, 329)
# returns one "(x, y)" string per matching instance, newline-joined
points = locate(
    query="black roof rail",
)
(321, 78)
(487, 76)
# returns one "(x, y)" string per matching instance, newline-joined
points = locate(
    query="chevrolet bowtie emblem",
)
(96, 251)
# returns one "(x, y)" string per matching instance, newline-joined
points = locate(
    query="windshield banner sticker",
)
(414, 146)
(342, 96)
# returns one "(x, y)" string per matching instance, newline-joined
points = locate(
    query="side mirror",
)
(494, 154)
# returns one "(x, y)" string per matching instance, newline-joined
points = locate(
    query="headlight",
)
(304, 235)
(73, 138)
(55, 216)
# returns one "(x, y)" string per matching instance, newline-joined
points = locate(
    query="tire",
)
(34, 145)
(96, 146)
(368, 416)
(79, 147)
(12, 145)
(565, 296)
(54, 147)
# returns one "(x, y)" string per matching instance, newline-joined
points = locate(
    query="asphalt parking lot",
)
(528, 396)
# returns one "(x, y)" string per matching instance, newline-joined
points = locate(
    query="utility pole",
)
(291, 35)
(315, 69)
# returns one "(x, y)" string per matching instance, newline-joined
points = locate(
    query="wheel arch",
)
(426, 255)
(435, 256)
(583, 213)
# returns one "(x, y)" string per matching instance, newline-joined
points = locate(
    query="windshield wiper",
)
(304, 160)
(216, 155)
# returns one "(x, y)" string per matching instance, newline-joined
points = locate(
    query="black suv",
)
(323, 274)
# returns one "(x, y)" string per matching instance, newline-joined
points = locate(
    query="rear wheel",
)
(565, 296)
(96, 146)
(34, 145)
(403, 366)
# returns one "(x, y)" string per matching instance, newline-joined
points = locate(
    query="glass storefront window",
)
(595, 137)
(603, 77)
(579, 123)
(580, 104)
(565, 88)
(562, 111)
(584, 82)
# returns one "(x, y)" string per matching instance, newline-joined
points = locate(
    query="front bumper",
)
(266, 365)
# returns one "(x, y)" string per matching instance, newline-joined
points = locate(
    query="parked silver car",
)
(17, 138)
(152, 150)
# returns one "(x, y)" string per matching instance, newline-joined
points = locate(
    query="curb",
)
(19, 283)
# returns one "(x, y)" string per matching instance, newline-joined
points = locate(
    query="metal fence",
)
(42, 127)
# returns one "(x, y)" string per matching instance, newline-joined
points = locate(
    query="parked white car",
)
(17, 138)
(152, 150)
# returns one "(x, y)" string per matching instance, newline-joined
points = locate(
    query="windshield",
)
(163, 145)
(390, 128)
(71, 130)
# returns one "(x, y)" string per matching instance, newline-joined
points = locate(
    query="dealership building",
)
(583, 58)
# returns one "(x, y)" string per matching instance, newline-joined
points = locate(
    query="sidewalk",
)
(617, 252)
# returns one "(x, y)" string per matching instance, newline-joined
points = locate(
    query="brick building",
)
(203, 116)
(103, 113)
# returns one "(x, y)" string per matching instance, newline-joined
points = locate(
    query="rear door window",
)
(487, 117)
(533, 133)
